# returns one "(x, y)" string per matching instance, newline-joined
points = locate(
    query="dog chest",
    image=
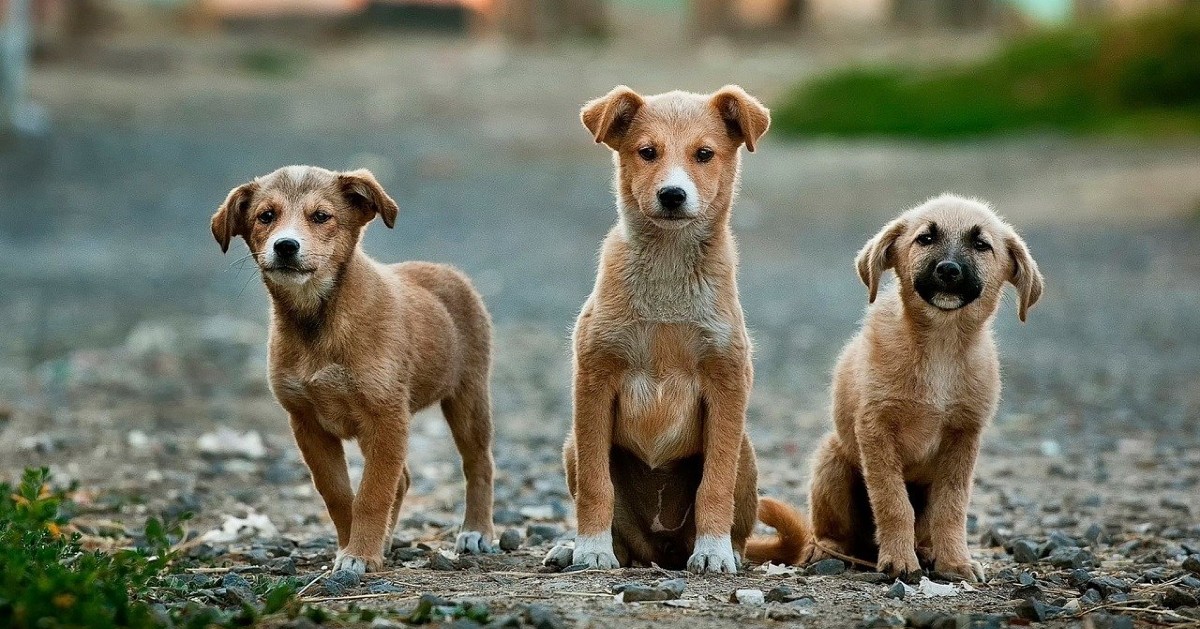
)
(330, 392)
(659, 400)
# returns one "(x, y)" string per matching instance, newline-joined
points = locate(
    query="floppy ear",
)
(876, 256)
(230, 219)
(364, 192)
(746, 118)
(608, 117)
(1025, 274)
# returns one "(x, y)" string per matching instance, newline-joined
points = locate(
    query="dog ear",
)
(230, 219)
(364, 192)
(608, 117)
(876, 256)
(746, 118)
(1025, 274)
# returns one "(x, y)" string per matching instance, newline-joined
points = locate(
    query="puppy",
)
(658, 461)
(357, 347)
(911, 394)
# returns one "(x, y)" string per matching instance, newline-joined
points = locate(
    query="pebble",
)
(510, 540)
(383, 587)
(283, 565)
(545, 531)
(827, 567)
(508, 517)
(1033, 609)
(407, 554)
(1192, 564)
(897, 591)
(1028, 591)
(782, 594)
(1070, 558)
(543, 617)
(1107, 585)
(874, 578)
(993, 538)
(1025, 578)
(235, 580)
(1095, 535)
(748, 597)
(1174, 597)
(664, 591)
(1025, 551)
(784, 613)
(345, 578)
(1156, 575)
(438, 561)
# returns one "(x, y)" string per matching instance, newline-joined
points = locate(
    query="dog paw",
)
(595, 551)
(474, 543)
(561, 556)
(357, 564)
(971, 570)
(713, 554)
(900, 564)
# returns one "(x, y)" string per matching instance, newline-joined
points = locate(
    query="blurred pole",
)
(14, 63)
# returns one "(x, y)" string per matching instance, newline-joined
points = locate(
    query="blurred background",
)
(132, 355)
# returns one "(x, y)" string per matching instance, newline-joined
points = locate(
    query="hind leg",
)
(836, 515)
(469, 414)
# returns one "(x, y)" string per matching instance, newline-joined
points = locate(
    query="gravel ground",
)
(134, 358)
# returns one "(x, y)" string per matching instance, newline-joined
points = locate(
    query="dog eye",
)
(648, 153)
(982, 245)
(704, 154)
(266, 218)
(319, 217)
(926, 239)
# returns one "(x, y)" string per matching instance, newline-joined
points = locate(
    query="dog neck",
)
(308, 310)
(675, 275)
(937, 335)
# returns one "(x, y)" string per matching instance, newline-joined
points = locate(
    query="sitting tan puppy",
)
(357, 347)
(911, 394)
(658, 461)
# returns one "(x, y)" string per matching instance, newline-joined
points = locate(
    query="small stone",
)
(785, 613)
(1070, 558)
(383, 587)
(576, 567)
(874, 578)
(782, 594)
(1156, 575)
(1092, 597)
(748, 597)
(663, 591)
(1079, 577)
(1192, 564)
(897, 591)
(542, 617)
(1107, 585)
(993, 538)
(1104, 620)
(1095, 535)
(926, 618)
(407, 554)
(1025, 578)
(1035, 610)
(1025, 551)
(827, 567)
(545, 531)
(347, 578)
(1028, 591)
(508, 517)
(510, 540)
(1072, 606)
(1174, 597)
(283, 565)
(438, 561)
(1189, 581)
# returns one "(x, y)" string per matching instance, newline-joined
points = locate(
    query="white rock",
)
(254, 525)
(138, 440)
(229, 442)
(749, 597)
(929, 589)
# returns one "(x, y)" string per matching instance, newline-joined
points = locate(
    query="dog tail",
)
(793, 534)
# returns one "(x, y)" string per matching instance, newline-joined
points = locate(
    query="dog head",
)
(952, 255)
(676, 153)
(302, 223)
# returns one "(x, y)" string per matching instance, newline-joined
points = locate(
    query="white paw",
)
(357, 565)
(596, 551)
(473, 543)
(561, 556)
(713, 554)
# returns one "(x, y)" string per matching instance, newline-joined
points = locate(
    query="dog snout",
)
(287, 247)
(672, 197)
(948, 271)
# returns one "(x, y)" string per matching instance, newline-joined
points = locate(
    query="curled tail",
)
(793, 534)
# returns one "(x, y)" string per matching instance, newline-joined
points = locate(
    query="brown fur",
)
(359, 346)
(658, 455)
(912, 393)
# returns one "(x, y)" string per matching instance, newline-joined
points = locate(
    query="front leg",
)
(726, 391)
(883, 474)
(949, 496)
(326, 460)
(384, 444)
(593, 426)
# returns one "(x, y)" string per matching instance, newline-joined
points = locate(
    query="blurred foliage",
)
(48, 579)
(1139, 76)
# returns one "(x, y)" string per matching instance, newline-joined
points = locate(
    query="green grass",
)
(1137, 77)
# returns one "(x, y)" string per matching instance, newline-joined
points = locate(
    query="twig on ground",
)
(310, 583)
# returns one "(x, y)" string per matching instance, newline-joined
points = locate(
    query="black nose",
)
(286, 247)
(948, 271)
(672, 197)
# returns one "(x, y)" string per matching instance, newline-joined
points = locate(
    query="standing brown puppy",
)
(912, 392)
(357, 347)
(658, 460)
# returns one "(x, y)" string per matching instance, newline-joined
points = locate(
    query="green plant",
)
(1140, 76)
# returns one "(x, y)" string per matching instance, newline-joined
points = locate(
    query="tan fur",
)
(912, 393)
(359, 346)
(662, 366)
